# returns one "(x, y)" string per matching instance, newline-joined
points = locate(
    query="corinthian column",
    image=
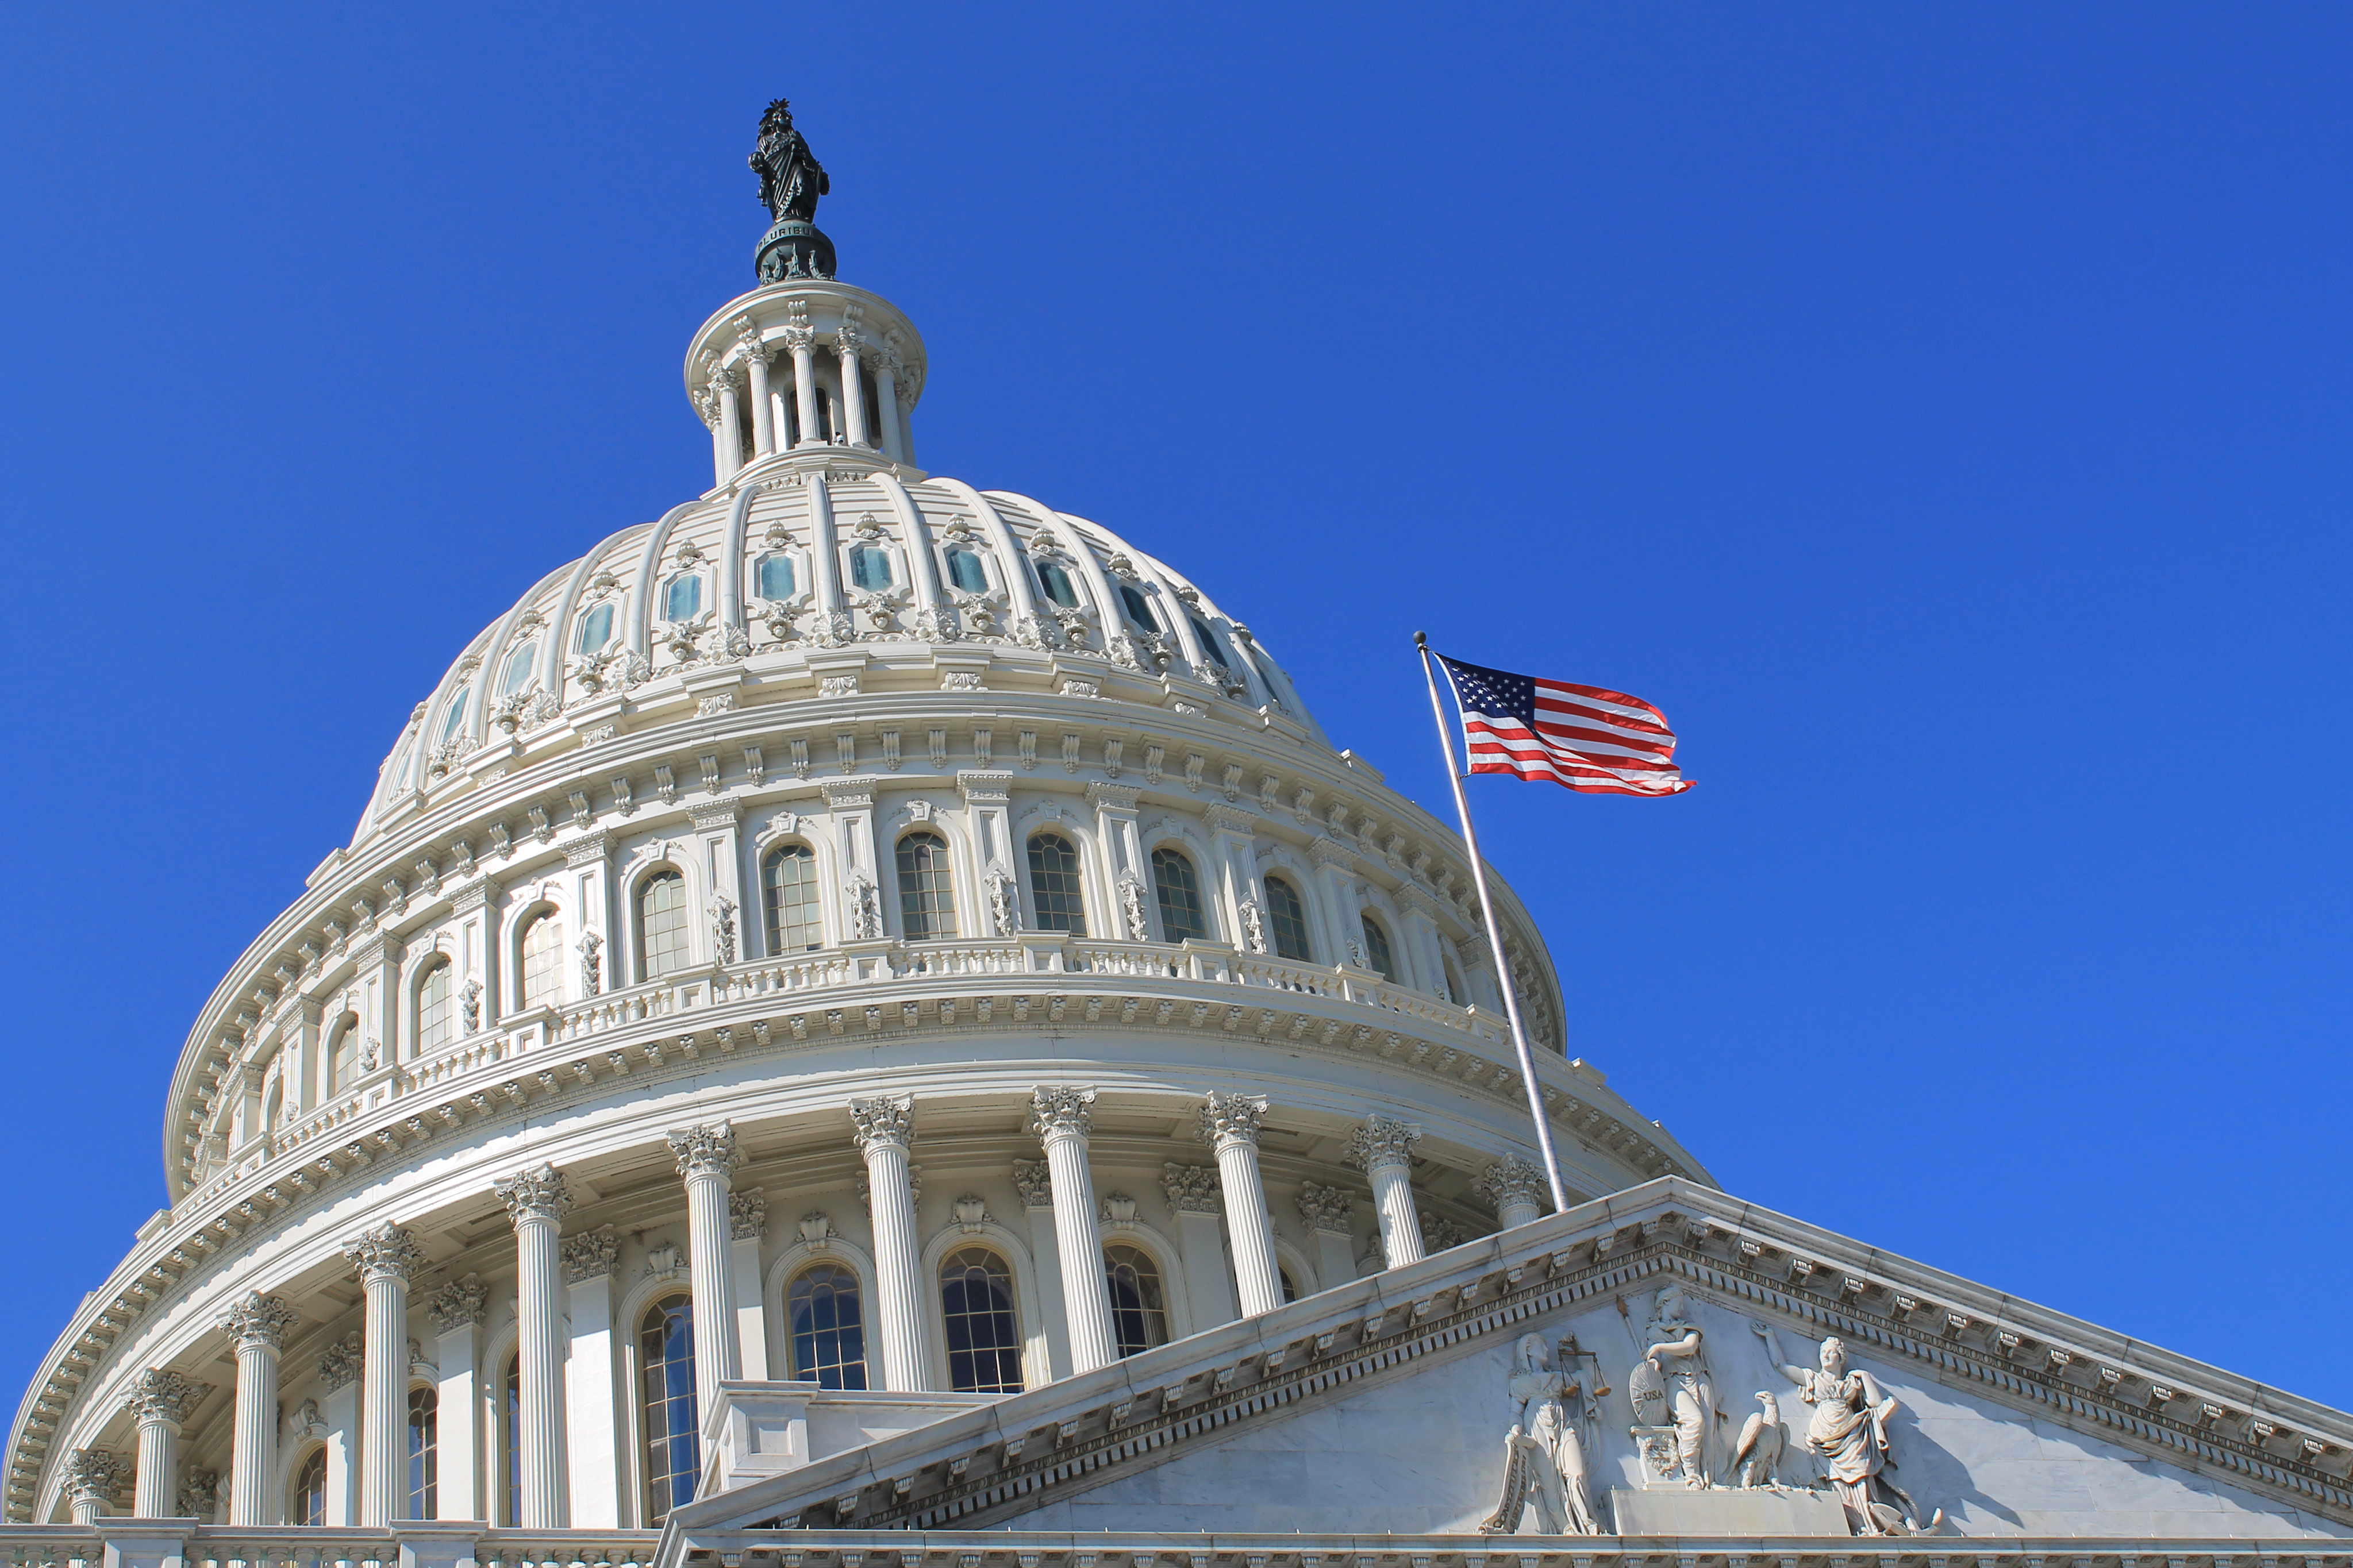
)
(257, 1326)
(1061, 1118)
(91, 1476)
(385, 1258)
(1230, 1124)
(160, 1400)
(536, 1199)
(1517, 1188)
(885, 1125)
(706, 1157)
(1383, 1150)
(853, 397)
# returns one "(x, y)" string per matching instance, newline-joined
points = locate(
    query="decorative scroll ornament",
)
(1254, 927)
(459, 1304)
(1131, 904)
(590, 1255)
(340, 1367)
(971, 1213)
(1058, 1111)
(592, 972)
(1035, 1182)
(722, 927)
(747, 1215)
(387, 1252)
(537, 1192)
(707, 1150)
(865, 905)
(1192, 1189)
(260, 1319)
(1326, 1208)
(1233, 1118)
(1004, 907)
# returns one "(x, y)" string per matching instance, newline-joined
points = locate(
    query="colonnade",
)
(386, 1257)
(855, 360)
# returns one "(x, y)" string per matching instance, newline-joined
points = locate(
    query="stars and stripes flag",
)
(1584, 737)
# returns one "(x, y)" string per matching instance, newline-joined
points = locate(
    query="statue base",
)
(1740, 1513)
(795, 247)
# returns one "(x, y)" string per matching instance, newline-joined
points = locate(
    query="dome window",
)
(774, 574)
(518, 669)
(1177, 890)
(1139, 1311)
(595, 629)
(454, 719)
(1056, 885)
(662, 923)
(870, 567)
(1210, 643)
(926, 887)
(1057, 584)
(1377, 956)
(967, 573)
(828, 1330)
(1137, 610)
(683, 600)
(1288, 917)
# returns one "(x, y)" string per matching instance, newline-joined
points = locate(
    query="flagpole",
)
(1495, 932)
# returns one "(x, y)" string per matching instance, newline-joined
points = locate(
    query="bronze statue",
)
(791, 181)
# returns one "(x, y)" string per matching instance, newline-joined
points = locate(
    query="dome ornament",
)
(791, 181)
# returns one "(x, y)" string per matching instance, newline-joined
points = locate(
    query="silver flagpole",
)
(1494, 932)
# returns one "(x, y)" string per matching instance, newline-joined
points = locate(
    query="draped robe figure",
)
(1544, 1453)
(1849, 1430)
(1671, 1385)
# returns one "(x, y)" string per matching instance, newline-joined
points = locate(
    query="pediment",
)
(1382, 1405)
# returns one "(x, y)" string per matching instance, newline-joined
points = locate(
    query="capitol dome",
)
(857, 928)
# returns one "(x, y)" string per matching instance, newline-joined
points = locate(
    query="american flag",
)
(1589, 739)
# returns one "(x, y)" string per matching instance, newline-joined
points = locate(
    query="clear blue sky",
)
(1940, 412)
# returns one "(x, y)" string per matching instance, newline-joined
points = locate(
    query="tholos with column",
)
(385, 1258)
(1061, 1118)
(1230, 1124)
(885, 1126)
(90, 1480)
(160, 1399)
(1383, 1150)
(707, 1157)
(257, 1326)
(536, 1199)
(1517, 1188)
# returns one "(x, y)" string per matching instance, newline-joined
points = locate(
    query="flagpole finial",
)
(1422, 639)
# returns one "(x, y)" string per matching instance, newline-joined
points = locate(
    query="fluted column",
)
(853, 395)
(1517, 1188)
(1061, 1117)
(756, 362)
(385, 1258)
(91, 1476)
(886, 400)
(160, 1400)
(257, 1326)
(1230, 1124)
(730, 422)
(802, 342)
(886, 1125)
(1383, 1150)
(536, 1199)
(707, 1157)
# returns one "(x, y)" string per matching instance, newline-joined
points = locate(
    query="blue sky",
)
(1940, 412)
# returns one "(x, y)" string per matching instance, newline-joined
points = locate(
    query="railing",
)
(152, 1543)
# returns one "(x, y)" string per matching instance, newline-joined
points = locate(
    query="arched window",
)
(1289, 1286)
(774, 576)
(966, 572)
(661, 922)
(595, 629)
(424, 1441)
(1139, 1313)
(796, 916)
(1178, 889)
(1210, 643)
(683, 600)
(666, 1405)
(983, 1336)
(308, 1503)
(1288, 918)
(828, 1331)
(511, 1412)
(455, 720)
(543, 960)
(926, 893)
(518, 670)
(870, 567)
(1137, 610)
(1055, 885)
(1376, 951)
(435, 1014)
(1057, 584)
(343, 1053)
(1456, 991)
(871, 391)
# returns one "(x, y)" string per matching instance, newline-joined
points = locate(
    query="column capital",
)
(260, 1319)
(706, 1151)
(1059, 1110)
(590, 1255)
(92, 1475)
(1035, 1180)
(884, 1120)
(536, 1192)
(1113, 797)
(1233, 1118)
(340, 1367)
(1191, 1189)
(1231, 819)
(1325, 1209)
(387, 1252)
(1512, 1180)
(163, 1393)
(1382, 1141)
(459, 1304)
(747, 1215)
